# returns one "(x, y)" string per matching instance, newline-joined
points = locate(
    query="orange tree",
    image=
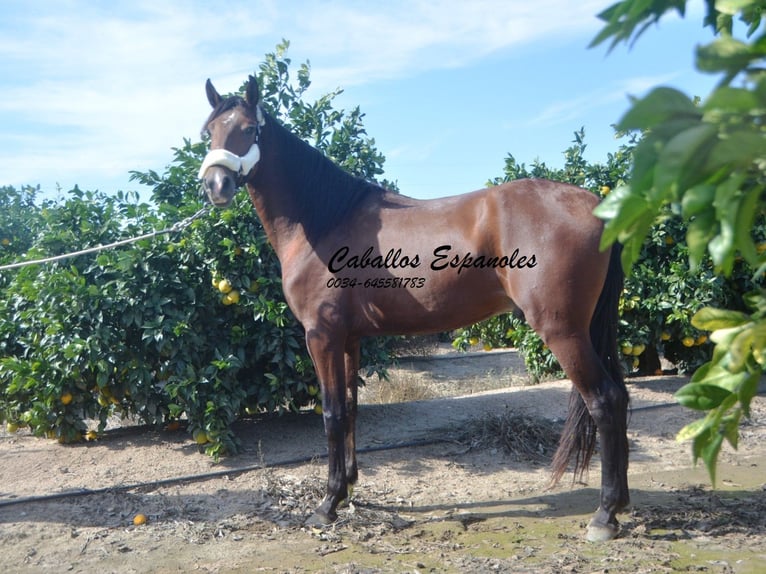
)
(705, 162)
(191, 326)
(661, 295)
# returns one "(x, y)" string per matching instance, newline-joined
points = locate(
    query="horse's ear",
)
(252, 95)
(212, 95)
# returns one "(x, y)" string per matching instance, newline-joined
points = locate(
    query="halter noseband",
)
(241, 165)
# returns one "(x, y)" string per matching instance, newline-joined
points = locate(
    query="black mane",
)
(324, 195)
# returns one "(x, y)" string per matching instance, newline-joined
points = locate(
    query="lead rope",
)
(178, 226)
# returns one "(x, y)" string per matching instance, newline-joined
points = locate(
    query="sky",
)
(94, 89)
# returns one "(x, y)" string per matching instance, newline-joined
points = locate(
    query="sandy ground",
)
(428, 500)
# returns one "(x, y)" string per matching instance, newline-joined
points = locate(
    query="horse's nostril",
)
(219, 186)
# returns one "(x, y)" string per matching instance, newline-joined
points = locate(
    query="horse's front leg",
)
(351, 359)
(328, 357)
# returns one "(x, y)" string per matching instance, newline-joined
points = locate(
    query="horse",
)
(358, 260)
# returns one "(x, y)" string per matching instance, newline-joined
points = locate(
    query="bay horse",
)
(358, 260)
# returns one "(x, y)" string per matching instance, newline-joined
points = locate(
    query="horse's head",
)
(234, 128)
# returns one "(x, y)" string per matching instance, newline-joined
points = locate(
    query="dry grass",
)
(399, 388)
(403, 386)
(525, 438)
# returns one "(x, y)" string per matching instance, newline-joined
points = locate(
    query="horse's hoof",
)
(319, 519)
(600, 532)
(346, 501)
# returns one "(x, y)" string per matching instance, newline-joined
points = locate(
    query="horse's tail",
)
(578, 439)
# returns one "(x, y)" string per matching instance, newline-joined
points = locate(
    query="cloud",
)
(401, 38)
(566, 110)
(110, 87)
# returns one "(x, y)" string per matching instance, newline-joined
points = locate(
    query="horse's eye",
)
(250, 131)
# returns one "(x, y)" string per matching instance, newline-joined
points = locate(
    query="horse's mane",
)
(324, 195)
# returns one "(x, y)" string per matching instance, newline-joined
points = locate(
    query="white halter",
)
(239, 165)
(223, 157)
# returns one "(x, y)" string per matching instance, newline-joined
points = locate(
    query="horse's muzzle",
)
(220, 185)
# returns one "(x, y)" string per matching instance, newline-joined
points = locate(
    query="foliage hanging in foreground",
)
(706, 163)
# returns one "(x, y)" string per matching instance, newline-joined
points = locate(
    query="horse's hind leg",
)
(605, 403)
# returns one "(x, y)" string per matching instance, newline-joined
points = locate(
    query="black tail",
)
(578, 439)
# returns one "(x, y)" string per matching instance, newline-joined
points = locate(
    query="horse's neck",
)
(290, 190)
(281, 230)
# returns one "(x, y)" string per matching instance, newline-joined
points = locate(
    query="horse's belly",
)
(401, 311)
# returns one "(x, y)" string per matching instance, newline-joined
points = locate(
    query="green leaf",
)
(700, 396)
(700, 374)
(709, 448)
(724, 337)
(712, 319)
(611, 205)
(660, 105)
(730, 427)
(733, 7)
(702, 228)
(634, 237)
(683, 160)
(738, 149)
(696, 199)
(622, 212)
(731, 100)
(740, 350)
(759, 341)
(746, 213)
(629, 19)
(719, 376)
(692, 430)
(725, 54)
(748, 390)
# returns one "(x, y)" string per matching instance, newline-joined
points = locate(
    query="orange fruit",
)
(231, 298)
(139, 519)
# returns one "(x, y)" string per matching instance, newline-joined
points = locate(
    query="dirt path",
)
(438, 507)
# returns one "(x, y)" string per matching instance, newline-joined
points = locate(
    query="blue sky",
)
(94, 89)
